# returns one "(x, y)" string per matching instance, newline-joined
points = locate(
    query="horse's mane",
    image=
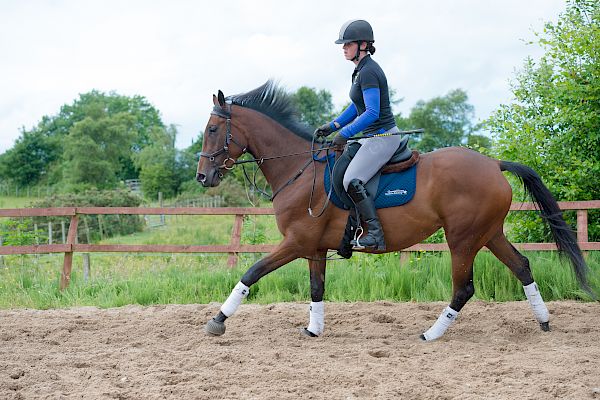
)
(272, 100)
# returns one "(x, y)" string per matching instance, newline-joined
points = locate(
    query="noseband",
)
(223, 113)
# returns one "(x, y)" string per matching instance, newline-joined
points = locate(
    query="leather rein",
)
(229, 162)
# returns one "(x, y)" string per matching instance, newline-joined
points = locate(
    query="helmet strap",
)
(357, 56)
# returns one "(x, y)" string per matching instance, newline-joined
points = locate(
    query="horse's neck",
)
(267, 138)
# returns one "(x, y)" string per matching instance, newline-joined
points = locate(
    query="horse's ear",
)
(215, 101)
(221, 98)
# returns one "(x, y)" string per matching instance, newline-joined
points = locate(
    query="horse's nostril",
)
(201, 178)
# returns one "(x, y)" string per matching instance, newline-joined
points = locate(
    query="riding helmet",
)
(355, 30)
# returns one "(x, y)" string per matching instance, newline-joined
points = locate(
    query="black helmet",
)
(356, 30)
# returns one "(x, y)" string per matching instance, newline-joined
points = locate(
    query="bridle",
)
(229, 162)
(226, 114)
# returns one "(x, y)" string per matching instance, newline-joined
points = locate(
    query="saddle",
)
(402, 160)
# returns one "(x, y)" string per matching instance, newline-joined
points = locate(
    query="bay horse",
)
(459, 190)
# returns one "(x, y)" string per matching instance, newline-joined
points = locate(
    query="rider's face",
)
(350, 50)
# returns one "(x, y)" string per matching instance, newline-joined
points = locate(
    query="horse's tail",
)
(563, 235)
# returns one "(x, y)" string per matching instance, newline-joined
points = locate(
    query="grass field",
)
(15, 202)
(116, 280)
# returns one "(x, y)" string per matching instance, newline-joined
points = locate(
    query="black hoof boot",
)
(216, 326)
(545, 326)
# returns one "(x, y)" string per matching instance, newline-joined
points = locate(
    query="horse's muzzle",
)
(211, 180)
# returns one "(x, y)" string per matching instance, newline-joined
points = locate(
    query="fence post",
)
(62, 230)
(236, 240)
(86, 267)
(404, 258)
(160, 204)
(49, 232)
(582, 226)
(65, 277)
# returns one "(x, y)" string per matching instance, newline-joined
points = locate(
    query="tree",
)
(156, 163)
(34, 153)
(446, 120)
(40, 150)
(315, 107)
(554, 123)
(94, 148)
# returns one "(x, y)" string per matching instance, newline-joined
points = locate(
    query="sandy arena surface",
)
(369, 350)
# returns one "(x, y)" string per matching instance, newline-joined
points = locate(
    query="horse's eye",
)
(212, 128)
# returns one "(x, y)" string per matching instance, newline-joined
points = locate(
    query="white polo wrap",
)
(239, 292)
(316, 322)
(443, 322)
(536, 302)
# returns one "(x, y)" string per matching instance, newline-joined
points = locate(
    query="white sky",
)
(178, 53)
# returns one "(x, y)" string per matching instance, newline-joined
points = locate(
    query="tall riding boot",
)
(366, 209)
(345, 248)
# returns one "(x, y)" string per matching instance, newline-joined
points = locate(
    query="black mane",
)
(275, 102)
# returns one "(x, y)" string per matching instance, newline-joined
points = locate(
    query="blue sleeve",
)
(347, 116)
(371, 114)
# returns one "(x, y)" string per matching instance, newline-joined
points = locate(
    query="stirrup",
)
(358, 232)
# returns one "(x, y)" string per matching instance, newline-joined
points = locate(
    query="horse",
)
(458, 189)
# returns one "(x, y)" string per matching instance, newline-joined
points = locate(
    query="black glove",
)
(339, 140)
(323, 130)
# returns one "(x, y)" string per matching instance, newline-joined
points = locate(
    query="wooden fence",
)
(235, 246)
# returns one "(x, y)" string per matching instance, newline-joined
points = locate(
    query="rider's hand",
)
(323, 130)
(339, 140)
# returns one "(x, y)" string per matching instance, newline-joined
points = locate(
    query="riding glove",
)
(323, 130)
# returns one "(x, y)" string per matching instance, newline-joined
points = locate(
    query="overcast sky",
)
(178, 53)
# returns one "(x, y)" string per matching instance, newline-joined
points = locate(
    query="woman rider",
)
(369, 113)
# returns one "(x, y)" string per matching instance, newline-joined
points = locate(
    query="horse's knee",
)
(523, 271)
(462, 295)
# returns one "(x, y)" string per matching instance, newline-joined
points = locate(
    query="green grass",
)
(16, 202)
(137, 279)
(120, 279)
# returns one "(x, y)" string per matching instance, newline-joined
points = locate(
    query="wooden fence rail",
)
(235, 246)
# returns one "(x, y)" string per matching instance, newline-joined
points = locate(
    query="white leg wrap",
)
(537, 303)
(443, 322)
(316, 322)
(239, 292)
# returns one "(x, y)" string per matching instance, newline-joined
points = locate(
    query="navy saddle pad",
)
(393, 190)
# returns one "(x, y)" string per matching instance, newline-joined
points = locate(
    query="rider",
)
(370, 113)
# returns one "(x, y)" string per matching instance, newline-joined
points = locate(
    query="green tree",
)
(40, 150)
(34, 153)
(315, 107)
(554, 123)
(447, 121)
(94, 148)
(157, 165)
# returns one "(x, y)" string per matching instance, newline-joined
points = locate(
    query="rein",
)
(229, 163)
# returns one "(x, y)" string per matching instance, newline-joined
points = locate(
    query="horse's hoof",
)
(214, 328)
(545, 326)
(307, 333)
(422, 337)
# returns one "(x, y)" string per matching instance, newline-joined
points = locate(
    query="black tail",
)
(563, 235)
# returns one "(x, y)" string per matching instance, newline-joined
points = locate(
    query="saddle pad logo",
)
(396, 192)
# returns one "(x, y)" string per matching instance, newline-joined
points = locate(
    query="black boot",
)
(373, 240)
(345, 248)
